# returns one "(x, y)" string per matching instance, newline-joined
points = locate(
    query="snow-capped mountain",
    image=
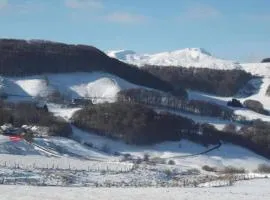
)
(189, 57)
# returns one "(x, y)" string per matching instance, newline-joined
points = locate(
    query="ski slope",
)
(189, 57)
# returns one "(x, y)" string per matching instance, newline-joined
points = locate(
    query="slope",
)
(71, 85)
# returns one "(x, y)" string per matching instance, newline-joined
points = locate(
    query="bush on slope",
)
(255, 106)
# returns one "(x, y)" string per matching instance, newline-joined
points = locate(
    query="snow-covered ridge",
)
(189, 57)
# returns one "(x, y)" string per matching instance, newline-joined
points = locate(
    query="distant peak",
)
(198, 50)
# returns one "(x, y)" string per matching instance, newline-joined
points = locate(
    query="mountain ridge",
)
(188, 57)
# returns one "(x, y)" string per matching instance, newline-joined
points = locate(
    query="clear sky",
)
(231, 29)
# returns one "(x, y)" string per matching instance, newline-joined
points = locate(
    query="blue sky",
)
(231, 29)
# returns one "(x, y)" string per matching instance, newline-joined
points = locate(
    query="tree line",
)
(26, 113)
(160, 99)
(217, 82)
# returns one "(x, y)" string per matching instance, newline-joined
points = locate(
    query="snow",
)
(189, 57)
(226, 155)
(250, 115)
(62, 111)
(35, 87)
(68, 147)
(16, 148)
(245, 190)
(260, 69)
(96, 84)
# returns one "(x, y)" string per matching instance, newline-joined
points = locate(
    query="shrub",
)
(268, 91)
(255, 106)
(233, 170)
(209, 169)
(158, 160)
(230, 128)
(146, 157)
(168, 172)
(171, 162)
(193, 171)
(263, 168)
(28, 136)
(127, 156)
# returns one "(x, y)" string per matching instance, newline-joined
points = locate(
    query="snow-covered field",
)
(226, 155)
(246, 190)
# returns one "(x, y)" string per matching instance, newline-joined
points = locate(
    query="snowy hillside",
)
(70, 84)
(260, 69)
(226, 155)
(189, 57)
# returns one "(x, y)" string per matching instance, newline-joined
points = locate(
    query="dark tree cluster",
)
(140, 125)
(255, 137)
(256, 106)
(266, 60)
(133, 123)
(218, 82)
(28, 114)
(161, 99)
(235, 103)
(20, 58)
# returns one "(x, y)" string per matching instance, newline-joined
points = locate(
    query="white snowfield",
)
(226, 155)
(189, 57)
(245, 190)
(260, 69)
(74, 85)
